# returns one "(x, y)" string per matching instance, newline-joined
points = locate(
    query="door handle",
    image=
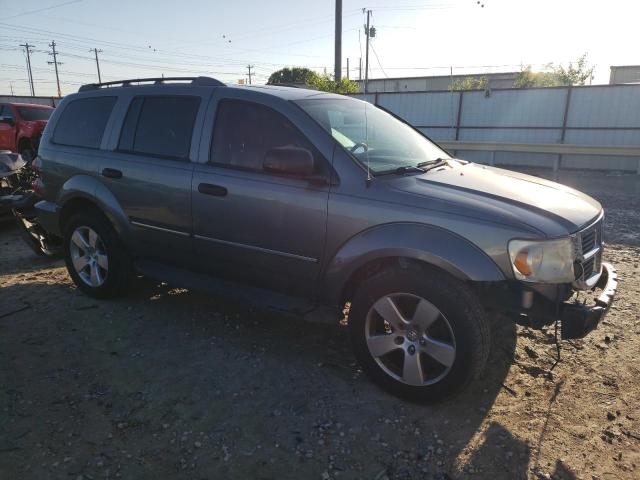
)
(111, 173)
(210, 189)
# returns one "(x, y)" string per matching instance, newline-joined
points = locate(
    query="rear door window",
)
(83, 121)
(160, 126)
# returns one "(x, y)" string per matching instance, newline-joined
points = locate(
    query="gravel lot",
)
(168, 383)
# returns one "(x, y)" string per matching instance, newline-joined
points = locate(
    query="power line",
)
(41, 9)
(378, 59)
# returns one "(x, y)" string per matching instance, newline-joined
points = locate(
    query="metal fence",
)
(51, 101)
(590, 127)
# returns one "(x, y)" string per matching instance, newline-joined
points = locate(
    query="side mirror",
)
(7, 120)
(293, 161)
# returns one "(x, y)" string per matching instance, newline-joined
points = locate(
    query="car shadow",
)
(164, 358)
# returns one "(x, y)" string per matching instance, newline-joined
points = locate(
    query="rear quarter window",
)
(83, 121)
(160, 126)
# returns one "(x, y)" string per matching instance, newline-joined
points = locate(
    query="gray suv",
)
(320, 205)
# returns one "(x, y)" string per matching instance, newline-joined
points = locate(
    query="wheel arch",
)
(84, 192)
(404, 244)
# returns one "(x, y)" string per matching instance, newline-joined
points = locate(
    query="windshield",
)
(30, 114)
(372, 135)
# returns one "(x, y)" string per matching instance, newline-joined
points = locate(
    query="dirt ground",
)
(169, 383)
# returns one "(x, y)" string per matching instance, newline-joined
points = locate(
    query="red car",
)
(21, 126)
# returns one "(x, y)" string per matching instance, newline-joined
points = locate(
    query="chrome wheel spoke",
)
(103, 261)
(79, 263)
(388, 310)
(412, 369)
(443, 353)
(96, 276)
(78, 239)
(93, 238)
(426, 313)
(380, 345)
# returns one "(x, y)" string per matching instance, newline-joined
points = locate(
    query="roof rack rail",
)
(200, 81)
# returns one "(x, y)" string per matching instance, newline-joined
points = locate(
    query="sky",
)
(220, 38)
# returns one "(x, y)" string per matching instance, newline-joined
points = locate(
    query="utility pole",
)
(11, 87)
(27, 48)
(55, 64)
(250, 67)
(338, 42)
(347, 68)
(96, 52)
(368, 33)
(360, 68)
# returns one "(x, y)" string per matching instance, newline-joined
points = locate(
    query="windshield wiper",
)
(432, 163)
(408, 169)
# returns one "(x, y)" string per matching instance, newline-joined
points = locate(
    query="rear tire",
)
(95, 256)
(418, 333)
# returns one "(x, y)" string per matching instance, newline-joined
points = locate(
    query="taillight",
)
(36, 165)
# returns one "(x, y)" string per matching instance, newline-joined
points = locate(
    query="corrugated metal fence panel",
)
(616, 106)
(438, 134)
(514, 108)
(594, 162)
(509, 135)
(423, 109)
(603, 137)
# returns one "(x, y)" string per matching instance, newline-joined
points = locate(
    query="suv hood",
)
(507, 197)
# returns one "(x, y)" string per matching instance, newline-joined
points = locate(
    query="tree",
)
(469, 83)
(304, 76)
(325, 83)
(292, 76)
(556, 75)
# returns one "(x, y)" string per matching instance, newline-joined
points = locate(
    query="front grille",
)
(589, 262)
(588, 240)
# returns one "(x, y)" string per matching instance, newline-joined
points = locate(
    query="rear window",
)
(83, 121)
(31, 114)
(160, 126)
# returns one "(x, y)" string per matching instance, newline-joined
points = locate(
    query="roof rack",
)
(200, 81)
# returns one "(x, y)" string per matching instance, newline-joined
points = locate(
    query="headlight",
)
(546, 261)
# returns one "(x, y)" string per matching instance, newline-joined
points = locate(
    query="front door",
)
(150, 174)
(250, 224)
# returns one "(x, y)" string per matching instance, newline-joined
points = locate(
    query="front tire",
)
(96, 258)
(418, 333)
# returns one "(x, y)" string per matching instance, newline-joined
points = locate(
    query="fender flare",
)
(426, 243)
(88, 188)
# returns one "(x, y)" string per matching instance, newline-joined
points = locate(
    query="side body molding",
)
(89, 188)
(426, 243)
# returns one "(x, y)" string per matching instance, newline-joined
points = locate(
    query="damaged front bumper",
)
(577, 319)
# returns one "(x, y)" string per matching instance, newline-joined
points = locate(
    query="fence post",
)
(459, 114)
(558, 161)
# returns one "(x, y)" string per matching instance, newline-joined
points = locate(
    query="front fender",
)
(425, 243)
(88, 188)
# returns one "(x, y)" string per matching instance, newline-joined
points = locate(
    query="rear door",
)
(7, 130)
(250, 224)
(149, 173)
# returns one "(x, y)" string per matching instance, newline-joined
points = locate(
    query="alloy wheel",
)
(89, 256)
(410, 339)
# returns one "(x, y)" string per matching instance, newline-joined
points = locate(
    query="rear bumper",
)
(577, 320)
